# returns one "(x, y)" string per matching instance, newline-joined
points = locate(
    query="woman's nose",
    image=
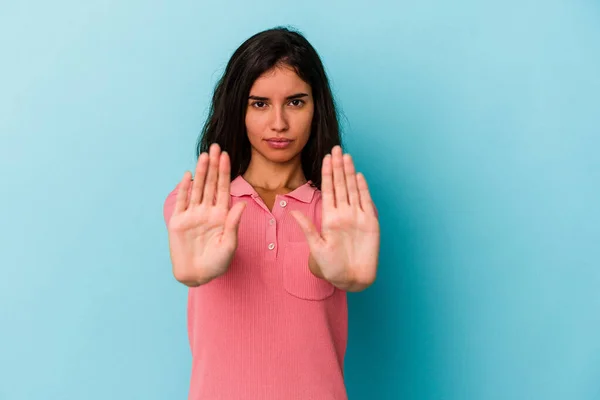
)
(279, 122)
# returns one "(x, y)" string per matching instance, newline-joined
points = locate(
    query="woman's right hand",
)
(203, 229)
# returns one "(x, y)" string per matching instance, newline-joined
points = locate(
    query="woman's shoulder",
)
(169, 202)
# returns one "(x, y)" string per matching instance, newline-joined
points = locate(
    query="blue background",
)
(476, 123)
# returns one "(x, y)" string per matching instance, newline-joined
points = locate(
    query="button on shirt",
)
(268, 328)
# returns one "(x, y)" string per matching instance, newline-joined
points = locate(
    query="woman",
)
(272, 232)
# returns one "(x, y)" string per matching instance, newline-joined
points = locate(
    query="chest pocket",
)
(297, 278)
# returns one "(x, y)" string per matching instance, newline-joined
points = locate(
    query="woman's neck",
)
(275, 177)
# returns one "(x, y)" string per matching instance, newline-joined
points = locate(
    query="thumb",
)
(312, 236)
(232, 222)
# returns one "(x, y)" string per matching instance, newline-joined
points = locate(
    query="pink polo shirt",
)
(268, 328)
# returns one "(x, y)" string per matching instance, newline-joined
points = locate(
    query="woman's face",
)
(279, 115)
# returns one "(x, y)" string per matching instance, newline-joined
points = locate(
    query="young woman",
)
(273, 230)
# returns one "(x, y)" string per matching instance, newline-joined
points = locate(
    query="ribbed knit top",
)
(267, 329)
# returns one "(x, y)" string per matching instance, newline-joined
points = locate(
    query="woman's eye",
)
(259, 104)
(297, 103)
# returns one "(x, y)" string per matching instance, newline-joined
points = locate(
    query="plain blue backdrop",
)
(477, 125)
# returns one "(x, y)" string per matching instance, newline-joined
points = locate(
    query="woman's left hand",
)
(346, 251)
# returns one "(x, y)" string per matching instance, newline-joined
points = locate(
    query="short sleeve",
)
(169, 205)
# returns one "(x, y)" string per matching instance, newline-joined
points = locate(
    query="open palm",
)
(202, 228)
(347, 248)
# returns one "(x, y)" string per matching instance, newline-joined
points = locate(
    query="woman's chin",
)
(282, 156)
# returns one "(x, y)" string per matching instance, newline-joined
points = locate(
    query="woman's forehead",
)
(279, 82)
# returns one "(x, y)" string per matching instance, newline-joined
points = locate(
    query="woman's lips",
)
(277, 143)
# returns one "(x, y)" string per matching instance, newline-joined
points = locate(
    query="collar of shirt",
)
(240, 187)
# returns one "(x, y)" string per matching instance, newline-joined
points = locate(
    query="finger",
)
(211, 179)
(232, 222)
(198, 183)
(339, 181)
(310, 232)
(365, 196)
(350, 172)
(327, 184)
(181, 200)
(224, 181)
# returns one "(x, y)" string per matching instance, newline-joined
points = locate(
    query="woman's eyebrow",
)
(292, 97)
